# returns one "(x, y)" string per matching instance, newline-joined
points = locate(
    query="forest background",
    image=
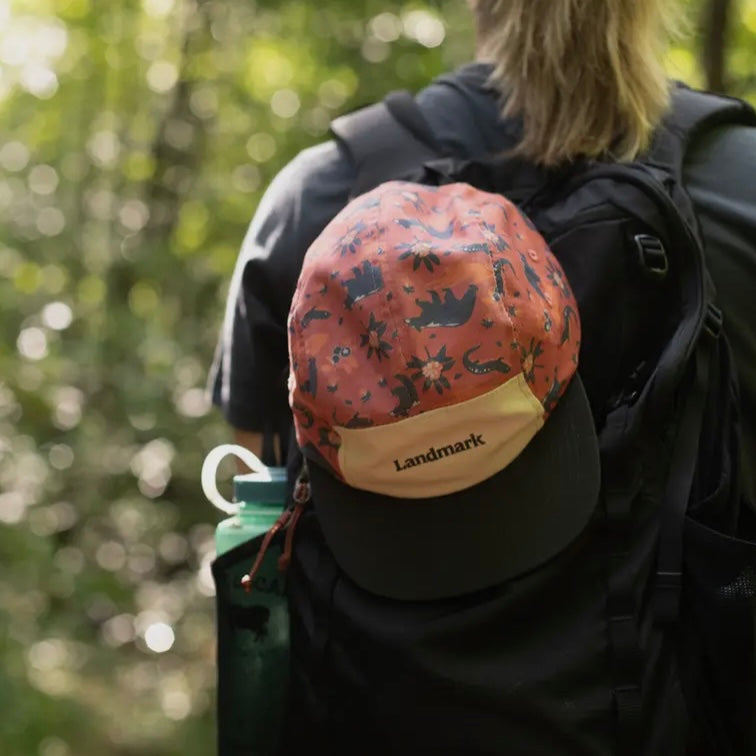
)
(136, 139)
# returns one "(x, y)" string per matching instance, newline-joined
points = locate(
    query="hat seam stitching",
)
(388, 271)
(505, 314)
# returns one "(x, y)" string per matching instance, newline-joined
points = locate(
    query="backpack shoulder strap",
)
(386, 140)
(692, 113)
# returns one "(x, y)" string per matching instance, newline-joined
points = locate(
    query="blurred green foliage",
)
(136, 144)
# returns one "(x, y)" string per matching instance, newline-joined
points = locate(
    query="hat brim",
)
(505, 526)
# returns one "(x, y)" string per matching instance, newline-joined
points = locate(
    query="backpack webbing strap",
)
(385, 140)
(682, 472)
(622, 474)
(624, 479)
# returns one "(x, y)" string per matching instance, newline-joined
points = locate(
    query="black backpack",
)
(637, 639)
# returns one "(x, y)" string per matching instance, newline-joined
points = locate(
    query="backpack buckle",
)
(667, 596)
(652, 256)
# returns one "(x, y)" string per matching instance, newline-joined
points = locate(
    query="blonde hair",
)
(587, 77)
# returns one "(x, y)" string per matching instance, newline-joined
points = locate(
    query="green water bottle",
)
(252, 617)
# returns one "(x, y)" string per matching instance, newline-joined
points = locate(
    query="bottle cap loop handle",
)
(210, 469)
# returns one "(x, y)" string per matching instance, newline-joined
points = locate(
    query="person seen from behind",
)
(511, 664)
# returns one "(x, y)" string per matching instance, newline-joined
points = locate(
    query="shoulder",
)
(305, 194)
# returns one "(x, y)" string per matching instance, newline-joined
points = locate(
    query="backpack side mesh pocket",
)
(252, 651)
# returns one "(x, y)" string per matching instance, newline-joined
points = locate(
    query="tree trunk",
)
(176, 160)
(716, 27)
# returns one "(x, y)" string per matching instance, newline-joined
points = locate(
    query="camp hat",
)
(434, 343)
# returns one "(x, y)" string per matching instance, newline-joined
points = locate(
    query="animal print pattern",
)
(416, 298)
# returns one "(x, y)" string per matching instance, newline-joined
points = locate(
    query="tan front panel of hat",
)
(469, 442)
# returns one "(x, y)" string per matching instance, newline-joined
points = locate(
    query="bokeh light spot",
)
(176, 704)
(50, 221)
(143, 299)
(285, 103)
(134, 215)
(158, 8)
(70, 559)
(162, 76)
(159, 637)
(54, 746)
(119, 630)
(333, 93)
(67, 407)
(12, 507)
(374, 50)
(193, 402)
(424, 28)
(61, 456)
(386, 27)
(204, 102)
(39, 80)
(14, 156)
(111, 556)
(43, 179)
(91, 290)
(57, 316)
(104, 148)
(173, 548)
(261, 147)
(32, 343)
(54, 278)
(27, 277)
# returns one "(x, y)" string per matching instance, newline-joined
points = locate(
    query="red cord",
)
(281, 522)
